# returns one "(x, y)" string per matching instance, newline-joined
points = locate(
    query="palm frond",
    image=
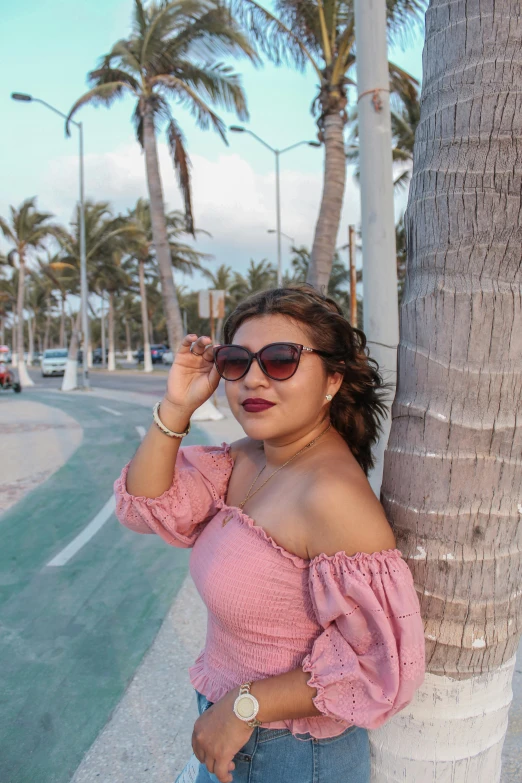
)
(279, 42)
(181, 162)
(188, 97)
(103, 95)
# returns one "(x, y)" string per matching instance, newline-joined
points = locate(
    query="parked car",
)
(156, 353)
(97, 355)
(54, 361)
(168, 357)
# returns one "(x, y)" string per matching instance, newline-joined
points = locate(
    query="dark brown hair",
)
(358, 406)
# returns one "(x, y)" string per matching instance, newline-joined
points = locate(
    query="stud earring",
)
(329, 397)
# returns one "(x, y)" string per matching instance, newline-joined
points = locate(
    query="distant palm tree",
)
(105, 236)
(259, 277)
(26, 231)
(338, 284)
(321, 34)
(172, 54)
(182, 256)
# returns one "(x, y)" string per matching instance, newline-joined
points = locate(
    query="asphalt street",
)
(127, 379)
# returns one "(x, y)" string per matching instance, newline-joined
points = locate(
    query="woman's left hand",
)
(218, 735)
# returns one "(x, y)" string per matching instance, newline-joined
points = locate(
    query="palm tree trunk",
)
(30, 328)
(47, 326)
(70, 378)
(62, 323)
(23, 375)
(128, 340)
(327, 227)
(112, 360)
(159, 234)
(452, 483)
(147, 360)
(103, 340)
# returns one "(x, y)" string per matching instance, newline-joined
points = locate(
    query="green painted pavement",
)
(71, 637)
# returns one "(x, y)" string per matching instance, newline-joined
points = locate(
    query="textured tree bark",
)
(159, 234)
(326, 230)
(112, 359)
(147, 360)
(103, 336)
(23, 376)
(128, 340)
(70, 378)
(63, 341)
(452, 469)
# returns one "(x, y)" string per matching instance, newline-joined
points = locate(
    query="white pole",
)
(278, 219)
(381, 316)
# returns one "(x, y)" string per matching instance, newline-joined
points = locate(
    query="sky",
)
(47, 50)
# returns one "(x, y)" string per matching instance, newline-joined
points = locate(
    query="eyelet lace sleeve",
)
(178, 515)
(369, 660)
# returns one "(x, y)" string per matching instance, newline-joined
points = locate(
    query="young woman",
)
(314, 634)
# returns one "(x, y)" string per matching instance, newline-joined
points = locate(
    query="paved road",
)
(80, 629)
(129, 380)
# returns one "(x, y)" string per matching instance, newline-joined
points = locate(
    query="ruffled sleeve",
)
(369, 660)
(200, 481)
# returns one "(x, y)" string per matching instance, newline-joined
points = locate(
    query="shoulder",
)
(245, 447)
(342, 514)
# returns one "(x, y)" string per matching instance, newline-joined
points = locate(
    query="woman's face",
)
(299, 402)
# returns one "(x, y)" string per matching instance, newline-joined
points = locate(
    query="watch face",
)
(245, 707)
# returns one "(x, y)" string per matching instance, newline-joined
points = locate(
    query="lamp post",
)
(277, 153)
(19, 96)
(287, 236)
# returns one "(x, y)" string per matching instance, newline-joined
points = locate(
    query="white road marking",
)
(141, 431)
(87, 533)
(110, 410)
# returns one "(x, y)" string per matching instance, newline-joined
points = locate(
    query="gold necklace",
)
(308, 445)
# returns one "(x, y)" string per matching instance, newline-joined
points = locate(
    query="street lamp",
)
(277, 153)
(273, 231)
(20, 96)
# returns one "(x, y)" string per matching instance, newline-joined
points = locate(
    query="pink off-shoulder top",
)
(353, 622)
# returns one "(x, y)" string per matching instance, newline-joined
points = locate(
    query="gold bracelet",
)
(164, 429)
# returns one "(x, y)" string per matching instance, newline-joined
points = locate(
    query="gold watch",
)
(246, 706)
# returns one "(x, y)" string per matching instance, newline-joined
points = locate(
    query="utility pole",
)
(353, 276)
(381, 316)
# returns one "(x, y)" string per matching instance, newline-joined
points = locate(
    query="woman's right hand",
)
(193, 378)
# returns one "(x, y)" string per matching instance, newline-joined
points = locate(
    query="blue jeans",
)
(276, 756)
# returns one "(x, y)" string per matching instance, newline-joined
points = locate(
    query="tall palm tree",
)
(321, 34)
(183, 257)
(109, 275)
(172, 55)
(105, 235)
(26, 231)
(452, 483)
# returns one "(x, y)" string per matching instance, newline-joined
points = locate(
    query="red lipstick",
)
(256, 404)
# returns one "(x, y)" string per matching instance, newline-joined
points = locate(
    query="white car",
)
(168, 357)
(54, 361)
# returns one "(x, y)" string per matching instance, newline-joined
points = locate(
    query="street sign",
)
(217, 297)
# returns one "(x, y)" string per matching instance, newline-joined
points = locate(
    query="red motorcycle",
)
(7, 379)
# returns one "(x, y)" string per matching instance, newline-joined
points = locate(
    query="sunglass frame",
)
(257, 355)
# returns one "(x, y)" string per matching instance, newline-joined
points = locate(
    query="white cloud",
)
(231, 200)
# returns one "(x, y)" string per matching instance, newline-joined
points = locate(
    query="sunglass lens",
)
(280, 361)
(231, 362)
